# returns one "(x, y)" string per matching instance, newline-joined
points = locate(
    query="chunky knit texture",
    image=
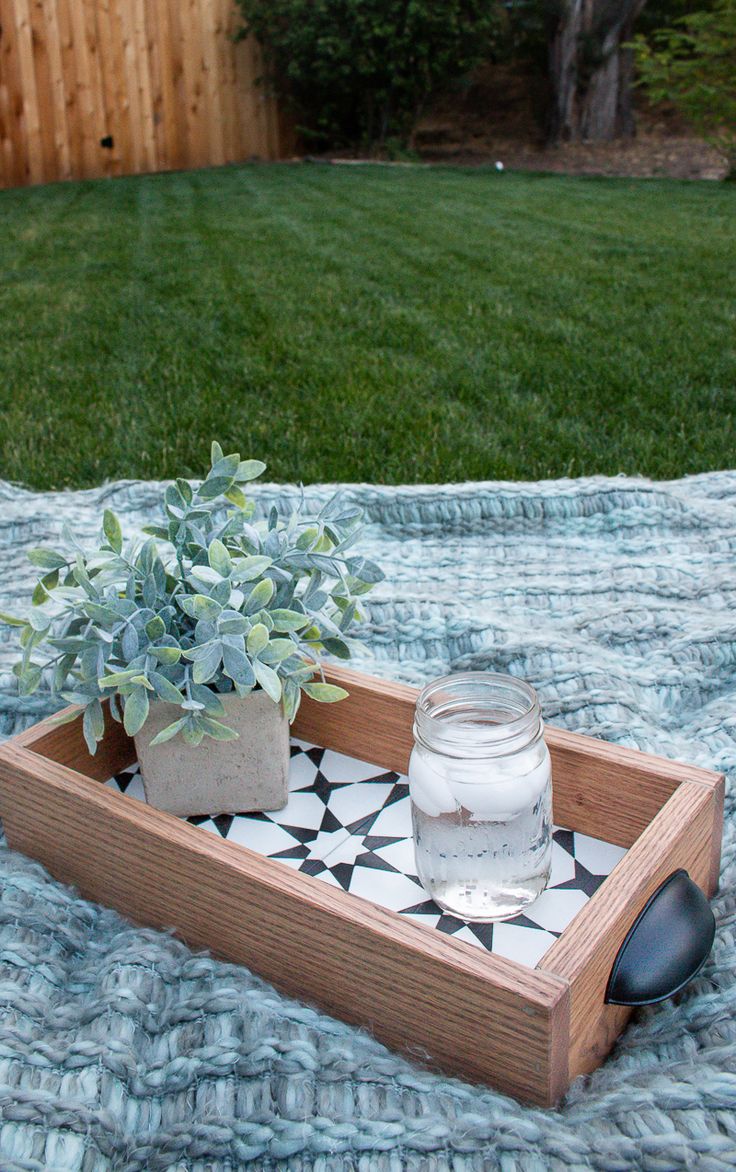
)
(119, 1049)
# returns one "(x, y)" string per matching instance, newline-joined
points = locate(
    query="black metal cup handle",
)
(665, 947)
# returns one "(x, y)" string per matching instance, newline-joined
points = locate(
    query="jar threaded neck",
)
(477, 714)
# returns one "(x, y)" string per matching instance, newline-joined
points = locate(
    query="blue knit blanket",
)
(120, 1049)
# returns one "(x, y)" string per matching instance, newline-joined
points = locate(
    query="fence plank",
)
(62, 168)
(31, 123)
(13, 156)
(69, 64)
(162, 79)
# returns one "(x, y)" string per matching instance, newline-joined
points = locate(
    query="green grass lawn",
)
(380, 324)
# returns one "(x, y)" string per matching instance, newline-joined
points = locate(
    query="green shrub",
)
(360, 71)
(693, 65)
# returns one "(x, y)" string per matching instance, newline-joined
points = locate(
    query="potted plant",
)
(207, 630)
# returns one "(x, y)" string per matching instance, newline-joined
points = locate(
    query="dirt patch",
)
(646, 156)
(499, 118)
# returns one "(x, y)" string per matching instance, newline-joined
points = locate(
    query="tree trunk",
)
(591, 73)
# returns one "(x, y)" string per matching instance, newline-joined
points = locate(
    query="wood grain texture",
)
(64, 744)
(164, 79)
(681, 835)
(11, 159)
(599, 789)
(478, 1016)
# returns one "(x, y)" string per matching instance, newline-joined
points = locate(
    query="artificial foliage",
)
(210, 601)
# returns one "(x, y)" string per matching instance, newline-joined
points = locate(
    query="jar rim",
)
(477, 714)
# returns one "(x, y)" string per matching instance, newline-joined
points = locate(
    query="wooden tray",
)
(526, 1030)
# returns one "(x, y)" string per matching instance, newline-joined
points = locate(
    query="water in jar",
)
(482, 830)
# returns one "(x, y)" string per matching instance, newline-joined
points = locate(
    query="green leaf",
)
(130, 643)
(216, 453)
(174, 502)
(155, 628)
(277, 650)
(200, 650)
(41, 593)
(249, 470)
(73, 644)
(39, 620)
(205, 574)
(268, 680)
(259, 596)
(185, 490)
(219, 558)
(349, 615)
(30, 639)
(220, 732)
(325, 693)
(289, 620)
(29, 680)
(237, 666)
(292, 698)
(364, 570)
(226, 466)
(193, 732)
(46, 559)
(112, 531)
(165, 655)
(81, 577)
(257, 638)
(322, 562)
(232, 623)
(77, 696)
(210, 700)
(165, 690)
(206, 667)
(65, 717)
(136, 710)
(93, 725)
(150, 591)
(245, 569)
(61, 672)
(206, 608)
(336, 647)
(222, 592)
(186, 602)
(104, 615)
(306, 538)
(117, 678)
(237, 498)
(11, 621)
(169, 732)
(215, 487)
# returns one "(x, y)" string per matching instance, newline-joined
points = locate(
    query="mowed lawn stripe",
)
(364, 323)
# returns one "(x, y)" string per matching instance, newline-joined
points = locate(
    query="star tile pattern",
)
(349, 823)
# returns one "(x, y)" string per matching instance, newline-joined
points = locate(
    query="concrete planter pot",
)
(218, 777)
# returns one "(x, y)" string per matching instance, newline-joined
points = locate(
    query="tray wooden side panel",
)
(599, 789)
(681, 835)
(478, 1016)
(65, 744)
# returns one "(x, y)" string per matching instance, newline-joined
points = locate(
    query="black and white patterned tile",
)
(349, 823)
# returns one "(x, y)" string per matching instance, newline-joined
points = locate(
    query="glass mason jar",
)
(481, 795)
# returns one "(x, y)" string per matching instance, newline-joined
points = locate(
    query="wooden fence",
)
(91, 88)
